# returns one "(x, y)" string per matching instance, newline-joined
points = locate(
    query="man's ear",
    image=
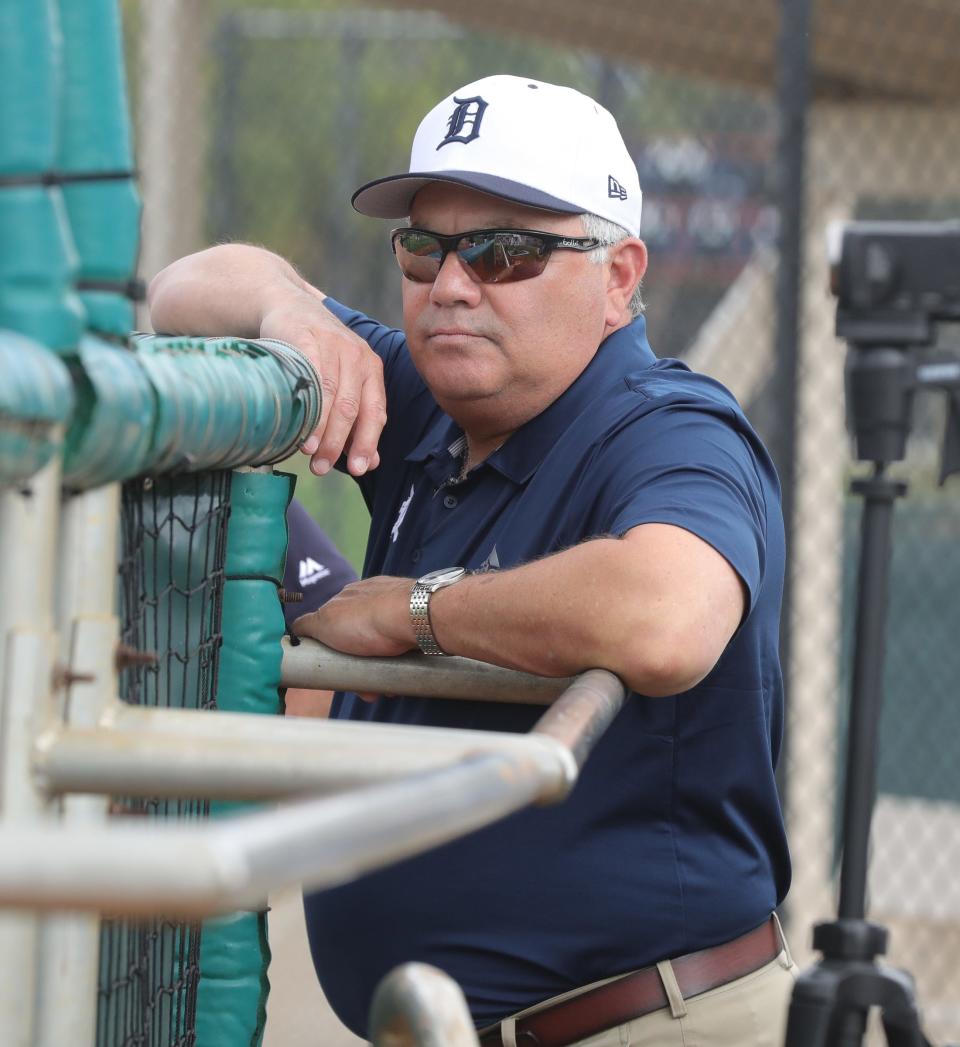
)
(627, 262)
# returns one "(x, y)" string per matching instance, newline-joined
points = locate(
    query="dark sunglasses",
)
(491, 256)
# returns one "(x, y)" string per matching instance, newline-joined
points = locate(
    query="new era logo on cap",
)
(614, 189)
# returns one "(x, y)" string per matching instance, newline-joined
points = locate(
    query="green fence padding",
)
(95, 139)
(37, 267)
(111, 431)
(36, 397)
(245, 402)
(187, 405)
(234, 954)
(232, 995)
(37, 259)
(94, 129)
(105, 222)
(29, 86)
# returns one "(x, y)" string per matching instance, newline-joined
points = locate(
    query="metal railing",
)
(411, 788)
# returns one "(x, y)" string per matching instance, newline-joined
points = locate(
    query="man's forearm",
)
(589, 606)
(226, 289)
(656, 607)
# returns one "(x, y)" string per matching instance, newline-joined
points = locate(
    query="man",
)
(613, 510)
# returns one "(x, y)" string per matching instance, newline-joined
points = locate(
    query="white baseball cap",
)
(523, 140)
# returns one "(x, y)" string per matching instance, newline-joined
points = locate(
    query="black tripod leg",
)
(831, 1002)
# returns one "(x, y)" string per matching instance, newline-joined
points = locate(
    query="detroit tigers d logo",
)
(467, 115)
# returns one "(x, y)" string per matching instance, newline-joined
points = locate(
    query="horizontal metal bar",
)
(581, 715)
(194, 753)
(193, 870)
(313, 664)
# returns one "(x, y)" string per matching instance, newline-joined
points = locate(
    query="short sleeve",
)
(693, 468)
(314, 565)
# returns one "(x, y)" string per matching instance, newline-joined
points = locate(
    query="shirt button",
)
(450, 501)
(415, 556)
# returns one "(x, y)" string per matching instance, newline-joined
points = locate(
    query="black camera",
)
(894, 282)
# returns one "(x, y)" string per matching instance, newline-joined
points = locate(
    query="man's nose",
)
(454, 283)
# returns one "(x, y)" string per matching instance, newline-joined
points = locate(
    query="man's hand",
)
(236, 289)
(371, 617)
(354, 408)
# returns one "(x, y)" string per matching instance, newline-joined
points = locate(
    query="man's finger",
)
(369, 424)
(327, 367)
(344, 410)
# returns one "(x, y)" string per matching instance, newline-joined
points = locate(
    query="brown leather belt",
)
(634, 995)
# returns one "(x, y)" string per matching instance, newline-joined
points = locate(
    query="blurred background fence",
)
(257, 118)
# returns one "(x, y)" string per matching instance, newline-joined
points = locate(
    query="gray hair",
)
(609, 233)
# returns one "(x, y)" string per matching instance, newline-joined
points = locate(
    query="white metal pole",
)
(312, 664)
(88, 629)
(417, 1005)
(28, 525)
(224, 756)
(197, 869)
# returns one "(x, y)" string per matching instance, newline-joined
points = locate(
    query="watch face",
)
(445, 576)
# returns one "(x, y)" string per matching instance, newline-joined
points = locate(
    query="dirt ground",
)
(297, 1012)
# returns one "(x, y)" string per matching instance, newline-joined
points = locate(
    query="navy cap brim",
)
(391, 197)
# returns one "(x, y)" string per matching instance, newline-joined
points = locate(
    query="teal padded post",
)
(37, 267)
(38, 261)
(234, 953)
(112, 428)
(94, 143)
(36, 397)
(30, 86)
(185, 405)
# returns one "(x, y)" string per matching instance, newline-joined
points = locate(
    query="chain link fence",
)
(171, 590)
(258, 119)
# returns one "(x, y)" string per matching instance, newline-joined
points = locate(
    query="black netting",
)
(171, 586)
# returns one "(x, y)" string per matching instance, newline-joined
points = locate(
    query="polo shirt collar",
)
(621, 353)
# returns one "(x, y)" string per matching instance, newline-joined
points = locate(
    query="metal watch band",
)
(423, 589)
(420, 617)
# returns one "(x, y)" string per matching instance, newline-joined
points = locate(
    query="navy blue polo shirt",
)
(673, 839)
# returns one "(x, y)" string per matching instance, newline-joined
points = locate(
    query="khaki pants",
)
(748, 1012)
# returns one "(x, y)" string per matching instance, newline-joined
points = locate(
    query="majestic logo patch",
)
(466, 117)
(311, 571)
(492, 563)
(614, 189)
(395, 530)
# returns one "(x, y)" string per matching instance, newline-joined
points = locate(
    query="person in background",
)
(316, 569)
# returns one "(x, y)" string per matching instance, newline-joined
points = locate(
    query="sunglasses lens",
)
(418, 254)
(491, 258)
(501, 258)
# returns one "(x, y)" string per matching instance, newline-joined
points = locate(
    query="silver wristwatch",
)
(423, 589)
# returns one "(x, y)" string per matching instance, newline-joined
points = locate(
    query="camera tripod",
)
(832, 1000)
(894, 282)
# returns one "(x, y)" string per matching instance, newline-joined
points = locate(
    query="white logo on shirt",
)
(311, 571)
(492, 562)
(395, 530)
